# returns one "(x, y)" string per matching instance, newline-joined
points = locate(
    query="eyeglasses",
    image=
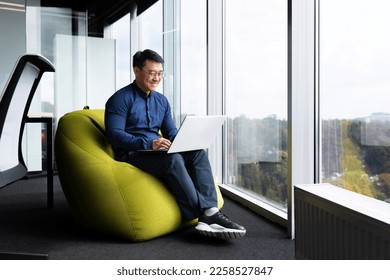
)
(154, 74)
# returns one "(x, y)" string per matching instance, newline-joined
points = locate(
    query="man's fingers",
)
(162, 143)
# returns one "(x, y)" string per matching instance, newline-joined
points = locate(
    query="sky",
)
(354, 56)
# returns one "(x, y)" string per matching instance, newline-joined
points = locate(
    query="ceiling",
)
(101, 13)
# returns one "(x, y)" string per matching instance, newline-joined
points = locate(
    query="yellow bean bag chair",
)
(107, 195)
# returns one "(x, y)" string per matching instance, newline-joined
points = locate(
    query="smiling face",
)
(149, 76)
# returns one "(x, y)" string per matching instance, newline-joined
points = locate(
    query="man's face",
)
(149, 77)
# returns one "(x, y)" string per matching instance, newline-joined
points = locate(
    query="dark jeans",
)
(187, 175)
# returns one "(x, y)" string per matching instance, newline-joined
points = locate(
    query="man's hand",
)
(161, 143)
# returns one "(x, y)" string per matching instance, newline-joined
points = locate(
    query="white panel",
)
(9, 140)
(301, 98)
(215, 79)
(101, 71)
(85, 72)
(32, 146)
(371, 207)
(70, 76)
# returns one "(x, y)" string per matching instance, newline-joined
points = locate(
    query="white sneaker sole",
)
(215, 230)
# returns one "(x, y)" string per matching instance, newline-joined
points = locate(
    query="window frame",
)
(302, 98)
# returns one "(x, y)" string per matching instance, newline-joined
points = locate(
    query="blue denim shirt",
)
(133, 120)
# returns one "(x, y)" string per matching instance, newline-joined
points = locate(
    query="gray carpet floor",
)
(27, 226)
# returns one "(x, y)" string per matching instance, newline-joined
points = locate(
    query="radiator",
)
(334, 223)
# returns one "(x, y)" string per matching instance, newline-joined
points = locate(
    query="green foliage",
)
(259, 150)
(357, 163)
(258, 155)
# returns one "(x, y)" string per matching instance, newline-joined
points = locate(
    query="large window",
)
(120, 31)
(178, 31)
(256, 98)
(151, 28)
(150, 31)
(355, 86)
(193, 61)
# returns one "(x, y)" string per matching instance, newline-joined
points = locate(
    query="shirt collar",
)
(142, 93)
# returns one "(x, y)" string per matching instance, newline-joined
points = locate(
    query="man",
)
(134, 117)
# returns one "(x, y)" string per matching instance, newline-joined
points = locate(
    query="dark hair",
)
(141, 56)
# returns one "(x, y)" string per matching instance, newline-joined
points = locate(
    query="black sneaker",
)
(218, 225)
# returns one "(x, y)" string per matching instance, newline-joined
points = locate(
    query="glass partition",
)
(60, 34)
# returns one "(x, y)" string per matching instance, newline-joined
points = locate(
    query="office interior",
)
(304, 86)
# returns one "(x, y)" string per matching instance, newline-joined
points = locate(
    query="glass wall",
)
(256, 98)
(150, 31)
(193, 61)
(254, 47)
(169, 29)
(151, 28)
(60, 34)
(354, 90)
(353, 81)
(120, 32)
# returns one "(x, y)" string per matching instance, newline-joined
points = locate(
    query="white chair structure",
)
(15, 103)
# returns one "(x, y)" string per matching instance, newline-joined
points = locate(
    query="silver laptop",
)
(195, 133)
